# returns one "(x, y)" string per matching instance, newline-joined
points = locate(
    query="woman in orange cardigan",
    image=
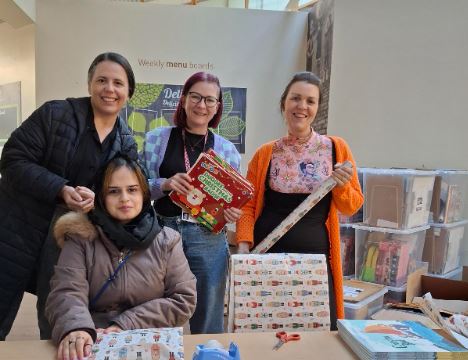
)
(286, 170)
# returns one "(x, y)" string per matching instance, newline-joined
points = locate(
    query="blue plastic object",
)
(204, 353)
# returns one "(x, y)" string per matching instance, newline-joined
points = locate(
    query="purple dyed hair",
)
(180, 117)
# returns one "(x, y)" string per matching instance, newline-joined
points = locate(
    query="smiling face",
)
(124, 196)
(108, 88)
(198, 114)
(300, 108)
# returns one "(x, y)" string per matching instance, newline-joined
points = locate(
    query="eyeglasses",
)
(195, 98)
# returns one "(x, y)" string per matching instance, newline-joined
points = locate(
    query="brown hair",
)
(118, 59)
(306, 76)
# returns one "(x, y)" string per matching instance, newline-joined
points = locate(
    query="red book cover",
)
(217, 186)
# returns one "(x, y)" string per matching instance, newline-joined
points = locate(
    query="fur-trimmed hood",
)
(74, 223)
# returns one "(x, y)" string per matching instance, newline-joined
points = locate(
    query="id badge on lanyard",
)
(185, 216)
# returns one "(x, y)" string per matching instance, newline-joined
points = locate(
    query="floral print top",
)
(300, 165)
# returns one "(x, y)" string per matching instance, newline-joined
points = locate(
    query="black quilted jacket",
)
(34, 168)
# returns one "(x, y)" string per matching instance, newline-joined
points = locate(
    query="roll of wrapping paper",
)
(297, 214)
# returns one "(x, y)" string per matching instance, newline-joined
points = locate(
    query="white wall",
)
(29, 7)
(399, 83)
(255, 49)
(17, 63)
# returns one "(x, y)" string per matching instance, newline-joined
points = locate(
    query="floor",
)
(25, 326)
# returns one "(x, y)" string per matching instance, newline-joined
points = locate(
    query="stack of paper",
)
(390, 339)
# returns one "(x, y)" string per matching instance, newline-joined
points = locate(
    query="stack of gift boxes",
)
(408, 216)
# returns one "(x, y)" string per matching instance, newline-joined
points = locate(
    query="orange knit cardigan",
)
(346, 199)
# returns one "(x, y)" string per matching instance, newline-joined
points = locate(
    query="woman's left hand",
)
(88, 198)
(342, 175)
(75, 345)
(231, 215)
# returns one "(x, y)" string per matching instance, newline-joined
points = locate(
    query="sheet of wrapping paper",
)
(143, 344)
(269, 292)
(303, 208)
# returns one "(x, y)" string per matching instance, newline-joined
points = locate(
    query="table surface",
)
(319, 345)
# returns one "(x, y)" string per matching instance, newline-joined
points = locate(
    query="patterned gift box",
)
(278, 291)
(144, 344)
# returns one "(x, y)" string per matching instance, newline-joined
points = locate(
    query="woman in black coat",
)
(47, 168)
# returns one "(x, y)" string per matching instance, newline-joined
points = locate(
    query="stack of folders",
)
(389, 339)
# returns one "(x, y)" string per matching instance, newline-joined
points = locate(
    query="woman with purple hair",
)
(168, 154)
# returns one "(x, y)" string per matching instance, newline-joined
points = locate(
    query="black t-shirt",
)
(90, 154)
(173, 163)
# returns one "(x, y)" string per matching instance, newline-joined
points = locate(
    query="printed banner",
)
(154, 105)
(319, 54)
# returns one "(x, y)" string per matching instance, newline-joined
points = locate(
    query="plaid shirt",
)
(155, 147)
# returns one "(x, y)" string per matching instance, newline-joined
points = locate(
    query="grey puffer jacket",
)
(154, 288)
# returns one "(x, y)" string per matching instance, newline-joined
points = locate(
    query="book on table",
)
(391, 339)
(216, 186)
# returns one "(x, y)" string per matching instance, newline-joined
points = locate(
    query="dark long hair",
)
(180, 117)
(306, 76)
(118, 59)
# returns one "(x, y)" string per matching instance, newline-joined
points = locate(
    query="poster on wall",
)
(10, 109)
(319, 54)
(154, 105)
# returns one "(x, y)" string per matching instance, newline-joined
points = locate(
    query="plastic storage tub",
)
(449, 196)
(386, 256)
(358, 216)
(455, 274)
(397, 198)
(347, 249)
(443, 246)
(368, 305)
(395, 294)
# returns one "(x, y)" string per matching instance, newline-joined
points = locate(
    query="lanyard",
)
(186, 158)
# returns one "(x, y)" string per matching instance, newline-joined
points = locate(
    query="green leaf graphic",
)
(145, 95)
(158, 122)
(231, 127)
(228, 103)
(137, 122)
(139, 139)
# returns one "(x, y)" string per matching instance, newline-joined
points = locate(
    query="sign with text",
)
(154, 105)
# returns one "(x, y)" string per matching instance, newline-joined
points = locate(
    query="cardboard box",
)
(446, 289)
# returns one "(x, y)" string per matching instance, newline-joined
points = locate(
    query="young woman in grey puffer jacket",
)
(153, 287)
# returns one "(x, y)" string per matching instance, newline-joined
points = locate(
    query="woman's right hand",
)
(180, 183)
(75, 345)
